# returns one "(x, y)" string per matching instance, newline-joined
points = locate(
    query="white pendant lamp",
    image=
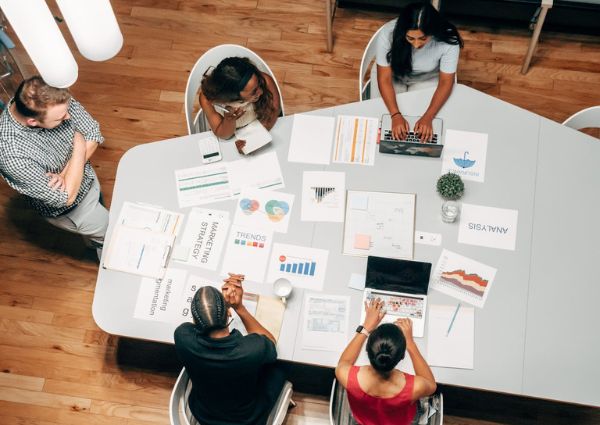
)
(34, 24)
(94, 27)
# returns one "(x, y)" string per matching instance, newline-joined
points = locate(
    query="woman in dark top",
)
(234, 378)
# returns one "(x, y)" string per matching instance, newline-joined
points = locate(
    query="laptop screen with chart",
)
(402, 285)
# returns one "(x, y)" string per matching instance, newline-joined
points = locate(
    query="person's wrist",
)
(396, 114)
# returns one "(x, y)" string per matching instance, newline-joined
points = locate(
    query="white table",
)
(537, 334)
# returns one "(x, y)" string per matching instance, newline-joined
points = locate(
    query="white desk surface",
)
(537, 334)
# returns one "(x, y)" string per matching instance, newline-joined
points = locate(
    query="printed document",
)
(304, 267)
(149, 217)
(161, 299)
(465, 154)
(325, 322)
(323, 196)
(379, 223)
(452, 348)
(201, 185)
(463, 278)
(264, 208)
(488, 226)
(255, 171)
(355, 140)
(311, 139)
(247, 252)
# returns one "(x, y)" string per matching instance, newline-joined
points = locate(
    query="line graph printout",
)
(463, 278)
(355, 140)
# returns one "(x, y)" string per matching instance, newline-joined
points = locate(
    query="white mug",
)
(282, 288)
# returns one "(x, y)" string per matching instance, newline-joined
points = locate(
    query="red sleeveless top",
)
(370, 410)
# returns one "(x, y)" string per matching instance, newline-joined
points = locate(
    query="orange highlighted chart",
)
(355, 140)
(463, 278)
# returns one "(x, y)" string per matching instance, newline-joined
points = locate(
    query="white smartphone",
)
(220, 108)
(210, 150)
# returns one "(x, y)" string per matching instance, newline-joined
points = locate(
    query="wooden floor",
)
(58, 366)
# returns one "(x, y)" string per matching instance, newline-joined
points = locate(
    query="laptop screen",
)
(390, 274)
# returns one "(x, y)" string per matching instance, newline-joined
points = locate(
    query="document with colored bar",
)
(355, 140)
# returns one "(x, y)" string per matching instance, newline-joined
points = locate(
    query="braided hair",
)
(209, 309)
(386, 346)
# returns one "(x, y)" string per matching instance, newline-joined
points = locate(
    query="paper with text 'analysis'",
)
(379, 223)
(304, 267)
(463, 278)
(247, 252)
(225, 180)
(204, 237)
(465, 154)
(264, 208)
(325, 322)
(488, 226)
(311, 139)
(450, 342)
(323, 196)
(355, 140)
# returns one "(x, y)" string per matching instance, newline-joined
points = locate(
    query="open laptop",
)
(402, 285)
(412, 145)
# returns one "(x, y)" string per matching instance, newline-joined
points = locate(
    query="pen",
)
(453, 318)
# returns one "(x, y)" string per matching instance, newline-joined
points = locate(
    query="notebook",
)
(402, 285)
(411, 145)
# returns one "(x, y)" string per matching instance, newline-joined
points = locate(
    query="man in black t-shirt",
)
(234, 377)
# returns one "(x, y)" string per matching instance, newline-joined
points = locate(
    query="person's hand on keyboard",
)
(424, 128)
(400, 127)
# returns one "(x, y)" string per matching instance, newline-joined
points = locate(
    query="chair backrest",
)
(586, 118)
(279, 411)
(369, 54)
(212, 57)
(179, 399)
(431, 408)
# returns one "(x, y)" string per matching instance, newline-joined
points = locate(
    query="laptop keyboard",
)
(412, 137)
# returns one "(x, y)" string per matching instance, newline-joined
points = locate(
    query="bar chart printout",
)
(304, 267)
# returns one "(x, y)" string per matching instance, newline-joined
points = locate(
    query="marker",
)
(453, 318)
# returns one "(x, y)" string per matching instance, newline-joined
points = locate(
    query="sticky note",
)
(362, 241)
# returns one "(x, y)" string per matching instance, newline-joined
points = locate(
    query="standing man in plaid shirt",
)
(46, 141)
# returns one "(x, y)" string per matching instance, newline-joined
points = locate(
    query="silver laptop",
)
(411, 145)
(402, 285)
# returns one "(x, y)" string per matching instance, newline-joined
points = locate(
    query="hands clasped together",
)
(232, 290)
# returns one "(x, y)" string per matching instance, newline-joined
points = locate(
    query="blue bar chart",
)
(306, 268)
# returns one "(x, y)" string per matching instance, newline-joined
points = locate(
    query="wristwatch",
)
(361, 330)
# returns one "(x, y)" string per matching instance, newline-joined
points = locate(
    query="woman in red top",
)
(379, 394)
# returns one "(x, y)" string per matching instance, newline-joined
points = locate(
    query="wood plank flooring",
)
(57, 366)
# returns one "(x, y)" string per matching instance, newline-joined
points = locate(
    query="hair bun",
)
(383, 359)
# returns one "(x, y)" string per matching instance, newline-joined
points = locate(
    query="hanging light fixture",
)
(34, 24)
(94, 27)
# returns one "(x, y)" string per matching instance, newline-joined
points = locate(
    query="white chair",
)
(180, 414)
(364, 80)
(340, 414)
(586, 118)
(197, 123)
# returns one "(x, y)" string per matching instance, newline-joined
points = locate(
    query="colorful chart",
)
(471, 282)
(250, 244)
(297, 266)
(264, 209)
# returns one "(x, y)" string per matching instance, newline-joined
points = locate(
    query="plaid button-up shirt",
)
(28, 153)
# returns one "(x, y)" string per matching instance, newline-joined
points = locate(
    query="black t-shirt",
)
(225, 374)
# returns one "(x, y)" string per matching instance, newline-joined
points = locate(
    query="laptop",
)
(412, 145)
(402, 285)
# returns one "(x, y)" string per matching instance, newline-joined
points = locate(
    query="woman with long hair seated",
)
(379, 394)
(417, 50)
(236, 93)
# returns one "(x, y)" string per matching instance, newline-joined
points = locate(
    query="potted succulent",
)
(450, 187)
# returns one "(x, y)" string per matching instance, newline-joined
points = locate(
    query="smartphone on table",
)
(210, 149)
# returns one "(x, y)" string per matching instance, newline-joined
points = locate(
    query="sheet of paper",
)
(311, 139)
(255, 135)
(355, 140)
(323, 196)
(201, 185)
(204, 237)
(380, 224)
(269, 313)
(488, 226)
(462, 278)
(357, 281)
(138, 251)
(250, 301)
(304, 267)
(255, 171)
(455, 348)
(464, 154)
(264, 208)
(427, 238)
(161, 299)
(247, 252)
(325, 322)
(149, 217)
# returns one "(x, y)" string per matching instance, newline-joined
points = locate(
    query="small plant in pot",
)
(450, 187)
